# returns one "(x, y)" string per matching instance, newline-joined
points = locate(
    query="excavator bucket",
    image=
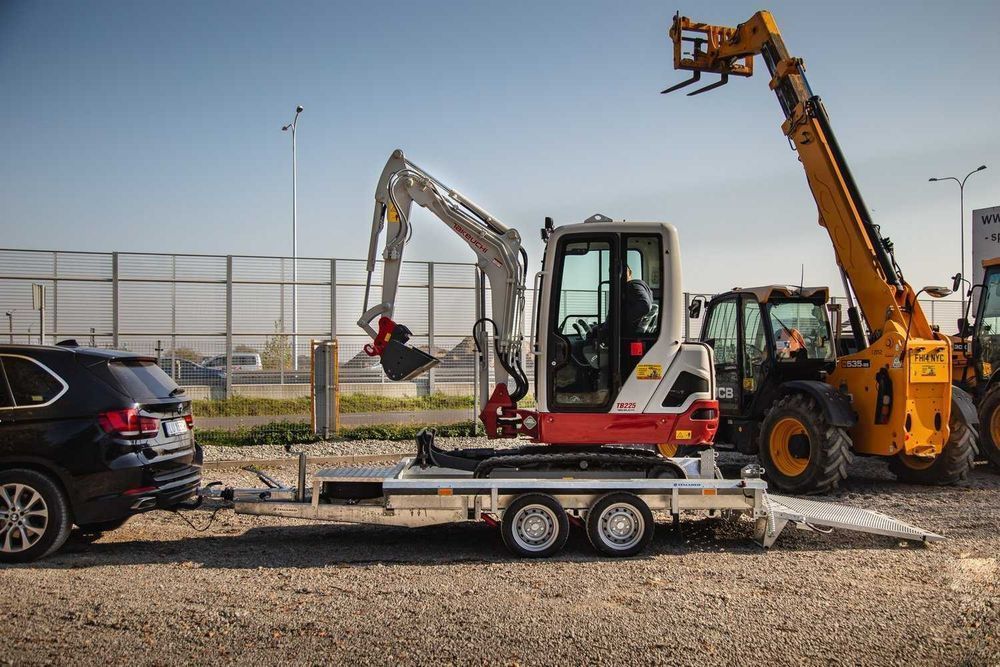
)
(399, 360)
(402, 362)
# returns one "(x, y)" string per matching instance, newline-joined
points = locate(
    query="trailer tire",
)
(620, 525)
(535, 525)
(989, 427)
(797, 425)
(950, 467)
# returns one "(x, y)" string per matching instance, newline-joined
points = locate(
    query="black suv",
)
(87, 437)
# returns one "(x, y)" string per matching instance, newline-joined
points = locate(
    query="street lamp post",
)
(961, 216)
(295, 247)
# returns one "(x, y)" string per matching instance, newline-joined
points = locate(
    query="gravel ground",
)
(261, 590)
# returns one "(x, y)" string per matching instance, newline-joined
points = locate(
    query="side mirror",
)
(956, 282)
(694, 309)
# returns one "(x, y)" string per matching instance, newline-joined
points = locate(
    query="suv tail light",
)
(128, 423)
(189, 418)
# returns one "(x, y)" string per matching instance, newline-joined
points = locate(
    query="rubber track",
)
(640, 462)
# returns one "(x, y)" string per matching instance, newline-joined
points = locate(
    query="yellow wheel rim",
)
(917, 462)
(668, 449)
(780, 447)
(995, 427)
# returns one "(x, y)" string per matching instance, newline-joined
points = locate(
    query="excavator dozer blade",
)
(402, 362)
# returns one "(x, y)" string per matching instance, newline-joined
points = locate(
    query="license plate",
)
(175, 427)
(929, 366)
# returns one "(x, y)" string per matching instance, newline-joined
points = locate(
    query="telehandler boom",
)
(898, 383)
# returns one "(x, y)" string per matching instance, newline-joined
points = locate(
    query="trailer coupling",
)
(400, 361)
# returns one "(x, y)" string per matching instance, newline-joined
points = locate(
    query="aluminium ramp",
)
(823, 517)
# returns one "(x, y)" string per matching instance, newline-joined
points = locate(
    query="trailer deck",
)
(534, 509)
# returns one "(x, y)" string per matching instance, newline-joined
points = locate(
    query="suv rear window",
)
(30, 383)
(142, 380)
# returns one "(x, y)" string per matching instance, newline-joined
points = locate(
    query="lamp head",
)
(298, 109)
(981, 168)
(932, 179)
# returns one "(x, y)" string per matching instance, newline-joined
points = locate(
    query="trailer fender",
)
(836, 406)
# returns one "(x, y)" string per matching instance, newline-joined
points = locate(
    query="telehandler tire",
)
(950, 467)
(800, 450)
(989, 427)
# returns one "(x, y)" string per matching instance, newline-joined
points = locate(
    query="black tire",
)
(989, 427)
(547, 519)
(620, 525)
(812, 461)
(42, 513)
(951, 466)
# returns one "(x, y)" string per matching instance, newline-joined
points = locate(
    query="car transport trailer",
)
(534, 509)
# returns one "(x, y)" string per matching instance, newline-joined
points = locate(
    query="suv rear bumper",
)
(139, 489)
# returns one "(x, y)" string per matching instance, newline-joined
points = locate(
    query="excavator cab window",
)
(642, 299)
(583, 340)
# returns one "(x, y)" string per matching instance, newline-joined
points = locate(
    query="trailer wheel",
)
(800, 450)
(620, 524)
(951, 466)
(989, 427)
(535, 526)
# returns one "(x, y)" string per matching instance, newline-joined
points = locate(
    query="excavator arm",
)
(499, 256)
(900, 378)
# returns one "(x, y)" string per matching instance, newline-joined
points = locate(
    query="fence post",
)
(114, 300)
(55, 297)
(336, 387)
(333, 298)
(173, 318)
(229, 325)
(430, 323)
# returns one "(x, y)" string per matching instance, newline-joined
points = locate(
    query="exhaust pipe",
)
(146, 503)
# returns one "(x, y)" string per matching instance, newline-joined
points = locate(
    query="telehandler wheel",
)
(620, 525)
(535, 526)
(989, 427)
(950, 467)
(800, 450)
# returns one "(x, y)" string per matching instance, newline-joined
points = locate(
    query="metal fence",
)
(222, 326)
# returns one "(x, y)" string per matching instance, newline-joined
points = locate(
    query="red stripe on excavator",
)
(576, 428)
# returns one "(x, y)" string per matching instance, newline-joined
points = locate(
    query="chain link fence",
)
(235, 331)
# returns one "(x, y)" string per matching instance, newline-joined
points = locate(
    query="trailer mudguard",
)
(836, 406)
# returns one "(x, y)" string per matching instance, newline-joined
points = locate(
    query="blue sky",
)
(155, 126)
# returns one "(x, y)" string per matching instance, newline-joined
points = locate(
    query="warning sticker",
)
(649, 372)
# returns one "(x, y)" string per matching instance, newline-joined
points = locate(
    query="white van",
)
(242, 361)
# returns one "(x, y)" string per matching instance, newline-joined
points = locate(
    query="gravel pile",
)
(260, 590)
